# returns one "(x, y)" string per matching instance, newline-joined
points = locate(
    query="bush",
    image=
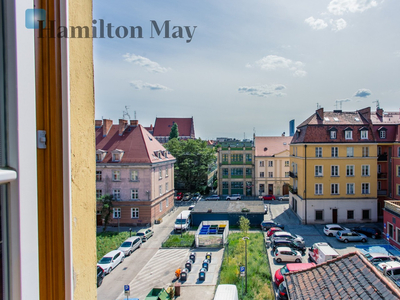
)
(175, 240)
(108, 241)
(258, 273)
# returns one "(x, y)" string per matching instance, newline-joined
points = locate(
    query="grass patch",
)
(108, 241)
(259, 277)
(175, 240)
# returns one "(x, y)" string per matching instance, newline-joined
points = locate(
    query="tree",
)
(244, 225)
(193, 159)
(106, 209)
(174, 133)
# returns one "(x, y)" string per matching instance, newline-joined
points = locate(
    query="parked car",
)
(130, 245)
(179, 196)
(332, 229)
(265, 225)
(372, 232)
(278, 278)
(287, 255)
(322, 252)
(272, 230)
(284, 197)
(391, 269)
(377, 258)
(100, 275)
(191, 207)
(145, 234)
(282, 292)
(234, 197)
(212, 197)
(187, 197)
(294, 245)
(269, 197)
(111, 260)
(286, 235)
(351, 236)
(196, 197)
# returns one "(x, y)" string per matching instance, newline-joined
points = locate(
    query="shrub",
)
(108, 241)
(175, 240)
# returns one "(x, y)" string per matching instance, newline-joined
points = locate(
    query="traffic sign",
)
(126, 290)
(242, 269)
(387, 235)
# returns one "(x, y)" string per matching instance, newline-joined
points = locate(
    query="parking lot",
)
(280, 213)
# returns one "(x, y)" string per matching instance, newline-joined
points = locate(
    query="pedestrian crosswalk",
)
(158, 272)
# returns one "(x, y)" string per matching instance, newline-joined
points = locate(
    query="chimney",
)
(98, 123)
(122, 126)
(151, 126)
(320, 113)
(379, 112)
(106, 126)
(134, 123)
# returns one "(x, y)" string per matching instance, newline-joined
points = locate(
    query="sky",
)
(244, 67)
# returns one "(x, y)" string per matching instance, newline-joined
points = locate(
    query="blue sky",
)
(250, 65)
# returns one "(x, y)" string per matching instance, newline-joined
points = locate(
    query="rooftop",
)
(162, 126)
(222, 206)
(271, 145)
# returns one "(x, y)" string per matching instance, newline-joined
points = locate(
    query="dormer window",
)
(100, 154)
(333, 133)
(117, 155)
(364, 133)
(348, 133)
(382, 132)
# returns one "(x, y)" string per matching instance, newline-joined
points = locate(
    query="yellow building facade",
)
(334, 170)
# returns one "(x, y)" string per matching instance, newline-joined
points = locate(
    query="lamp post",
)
(245, 259)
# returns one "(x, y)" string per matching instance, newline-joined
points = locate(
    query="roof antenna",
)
(318, 106)
(377, 103)
(125, 113)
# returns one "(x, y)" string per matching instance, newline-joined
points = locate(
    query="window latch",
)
(41, 139)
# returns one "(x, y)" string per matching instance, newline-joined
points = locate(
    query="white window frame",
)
(348, 134)
(117, 194)
(365, 151)
(318, 171)
(270, 174)
(134, 213)
(161, 206)
(334, 152)
(382, 134)
(364, 134)
(261, 163)
(262, 174)
(287, 163)
(350, 191)
(167, 202)
(159, 173)
(99, 175)
(363, 188)
(99, 192)
(350, 169)
(350, 152)
(334, 188)
(270, 163)
(134, 194)
(318, 151)
(116, 175)
(365, 170)
(166, 171)
(334, 171)
(318, 189)
(160, 189)
(116, 213)
(134, 175)
(333, 134)
(166, 187)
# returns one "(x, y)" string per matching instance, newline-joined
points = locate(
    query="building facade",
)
(162, 128)
(272, 165)
(391, 222)
(333, 168)
(236, 169)
(136, 169)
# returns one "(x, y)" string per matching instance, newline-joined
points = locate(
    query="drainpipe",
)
(305, 181)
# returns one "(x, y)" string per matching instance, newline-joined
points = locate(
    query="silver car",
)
(351, 236)
(287, 235)
(130, 245)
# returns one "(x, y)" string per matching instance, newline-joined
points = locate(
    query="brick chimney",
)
(134, 123)
(106, 126)
(320, 113)
(122, 126)
(98, 123)
(379, 112)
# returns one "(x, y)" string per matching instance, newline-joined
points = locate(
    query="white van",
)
(226, 292)
(322, 252)
(183, 221)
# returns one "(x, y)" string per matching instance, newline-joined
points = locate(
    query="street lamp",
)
(245, 258)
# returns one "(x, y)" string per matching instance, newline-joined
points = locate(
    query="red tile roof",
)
(138, 144)
(271, 145)
(162, 126)
(349, 277)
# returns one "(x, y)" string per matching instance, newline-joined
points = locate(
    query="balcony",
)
(393, 206)
(382, 192)
(382, 157)
(382, 175)
(292, 175)
(294, 191)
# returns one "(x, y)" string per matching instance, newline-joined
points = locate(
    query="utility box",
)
(157, 294)
(212, 234)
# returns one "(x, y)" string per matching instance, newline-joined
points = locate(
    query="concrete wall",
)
(233, 218)
(83, 165)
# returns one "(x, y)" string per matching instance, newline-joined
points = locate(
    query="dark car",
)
(100, 276)
(265, 225)
(196, 197)
(372, 232)
(282, 292)
(295, 245)
(187, 197)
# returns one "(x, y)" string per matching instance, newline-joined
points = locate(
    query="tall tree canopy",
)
(174, 133)
(193, 159)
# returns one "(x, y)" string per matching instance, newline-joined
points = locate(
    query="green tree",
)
(174, 133)
(106, 209)
(193, 159)
(244, 225)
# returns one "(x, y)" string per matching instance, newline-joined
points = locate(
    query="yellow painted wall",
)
(326, 162)
(83, 165)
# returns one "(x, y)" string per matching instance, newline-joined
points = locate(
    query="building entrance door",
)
(270, 189)
(334, 215)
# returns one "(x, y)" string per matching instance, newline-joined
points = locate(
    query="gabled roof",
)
(138, 145)
(349, 276)
(162, 126)
(271, 145)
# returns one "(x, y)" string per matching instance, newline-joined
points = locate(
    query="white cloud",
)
(338, 24)
(150, 65)
(140, 85)
(362, 93)
(316, 24)
(338, 7)
(273, 62)
(264, 90)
